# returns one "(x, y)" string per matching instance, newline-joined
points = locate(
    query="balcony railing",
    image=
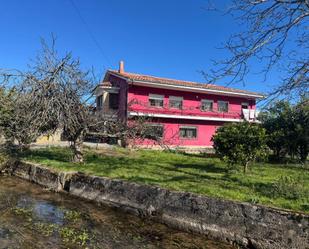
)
(145, 107)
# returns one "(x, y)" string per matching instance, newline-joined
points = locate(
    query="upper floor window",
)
(113, 101)
(188, 132)
(244, 105)
(223, 106)
(100, 102)
(206, 105)
(156, 100)
(175, 102)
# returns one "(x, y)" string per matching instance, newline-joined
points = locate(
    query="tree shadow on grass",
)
(55, 155)
(200, 155)
(298, 167)
(263, 188)
(192, 176)
(207, 168)
(108, 164)
(111, 160)
(149, 180)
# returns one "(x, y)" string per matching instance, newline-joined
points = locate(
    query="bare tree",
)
(276, 36)
(18, 124)
(129, 132)
(54, 94)
(15, 121)
(51, 95)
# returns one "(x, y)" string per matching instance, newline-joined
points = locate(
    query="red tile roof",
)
(173, 82)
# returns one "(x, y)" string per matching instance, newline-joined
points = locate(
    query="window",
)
(156, 100)
(100, 102)
(113, 101)
(154, 131)
(244, 105)
(223, 106)
(206, 105)
(175, 102)
(188, 132)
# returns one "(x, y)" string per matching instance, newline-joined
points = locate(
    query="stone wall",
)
(251, 226)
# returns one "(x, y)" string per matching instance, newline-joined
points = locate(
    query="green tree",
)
(287, 129)
(275, 121)
(240, 143)
(300, 130)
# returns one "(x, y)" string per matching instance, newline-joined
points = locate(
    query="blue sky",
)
(168, 38)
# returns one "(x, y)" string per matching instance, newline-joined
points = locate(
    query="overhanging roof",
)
(157, 82)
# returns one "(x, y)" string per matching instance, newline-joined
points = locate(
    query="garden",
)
(282, 185)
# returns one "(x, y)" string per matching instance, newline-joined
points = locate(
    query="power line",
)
(92, 36)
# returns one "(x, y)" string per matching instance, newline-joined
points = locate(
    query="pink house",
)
(185, 114)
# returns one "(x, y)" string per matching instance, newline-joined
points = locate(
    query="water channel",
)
(31, 217)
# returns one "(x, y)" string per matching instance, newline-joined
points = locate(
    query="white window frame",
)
(176, 98)
(209, 101)
(188, 127)
(228, 106)
(156, 97)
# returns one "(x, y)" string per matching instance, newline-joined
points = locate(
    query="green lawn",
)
(193, 173)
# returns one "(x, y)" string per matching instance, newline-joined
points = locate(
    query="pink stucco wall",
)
(205, 130)
(138, 98)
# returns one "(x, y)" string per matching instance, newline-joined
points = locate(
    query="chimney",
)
(121, 67)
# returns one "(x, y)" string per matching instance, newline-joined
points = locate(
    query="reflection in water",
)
(42, 210)
(33, 218)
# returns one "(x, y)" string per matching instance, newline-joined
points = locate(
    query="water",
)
(31, 217)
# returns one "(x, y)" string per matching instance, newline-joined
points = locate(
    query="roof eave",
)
(197, 89)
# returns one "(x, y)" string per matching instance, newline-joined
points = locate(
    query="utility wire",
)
(92, 36)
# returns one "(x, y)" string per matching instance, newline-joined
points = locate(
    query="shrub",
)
(289, 188)
(240, 143)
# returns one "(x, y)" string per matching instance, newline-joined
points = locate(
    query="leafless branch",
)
(276, 38)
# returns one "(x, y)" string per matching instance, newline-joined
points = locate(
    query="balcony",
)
(140, 108)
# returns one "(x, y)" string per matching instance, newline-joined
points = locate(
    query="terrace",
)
(140, 108)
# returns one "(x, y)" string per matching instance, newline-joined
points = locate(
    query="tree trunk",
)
(246, 167)
(76, 147)
(303, 153)
(278, 154)
(23, 147)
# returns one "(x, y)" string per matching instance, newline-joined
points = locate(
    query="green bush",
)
(240, 143)
(289, 188)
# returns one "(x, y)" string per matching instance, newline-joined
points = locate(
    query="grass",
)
(192, 173)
